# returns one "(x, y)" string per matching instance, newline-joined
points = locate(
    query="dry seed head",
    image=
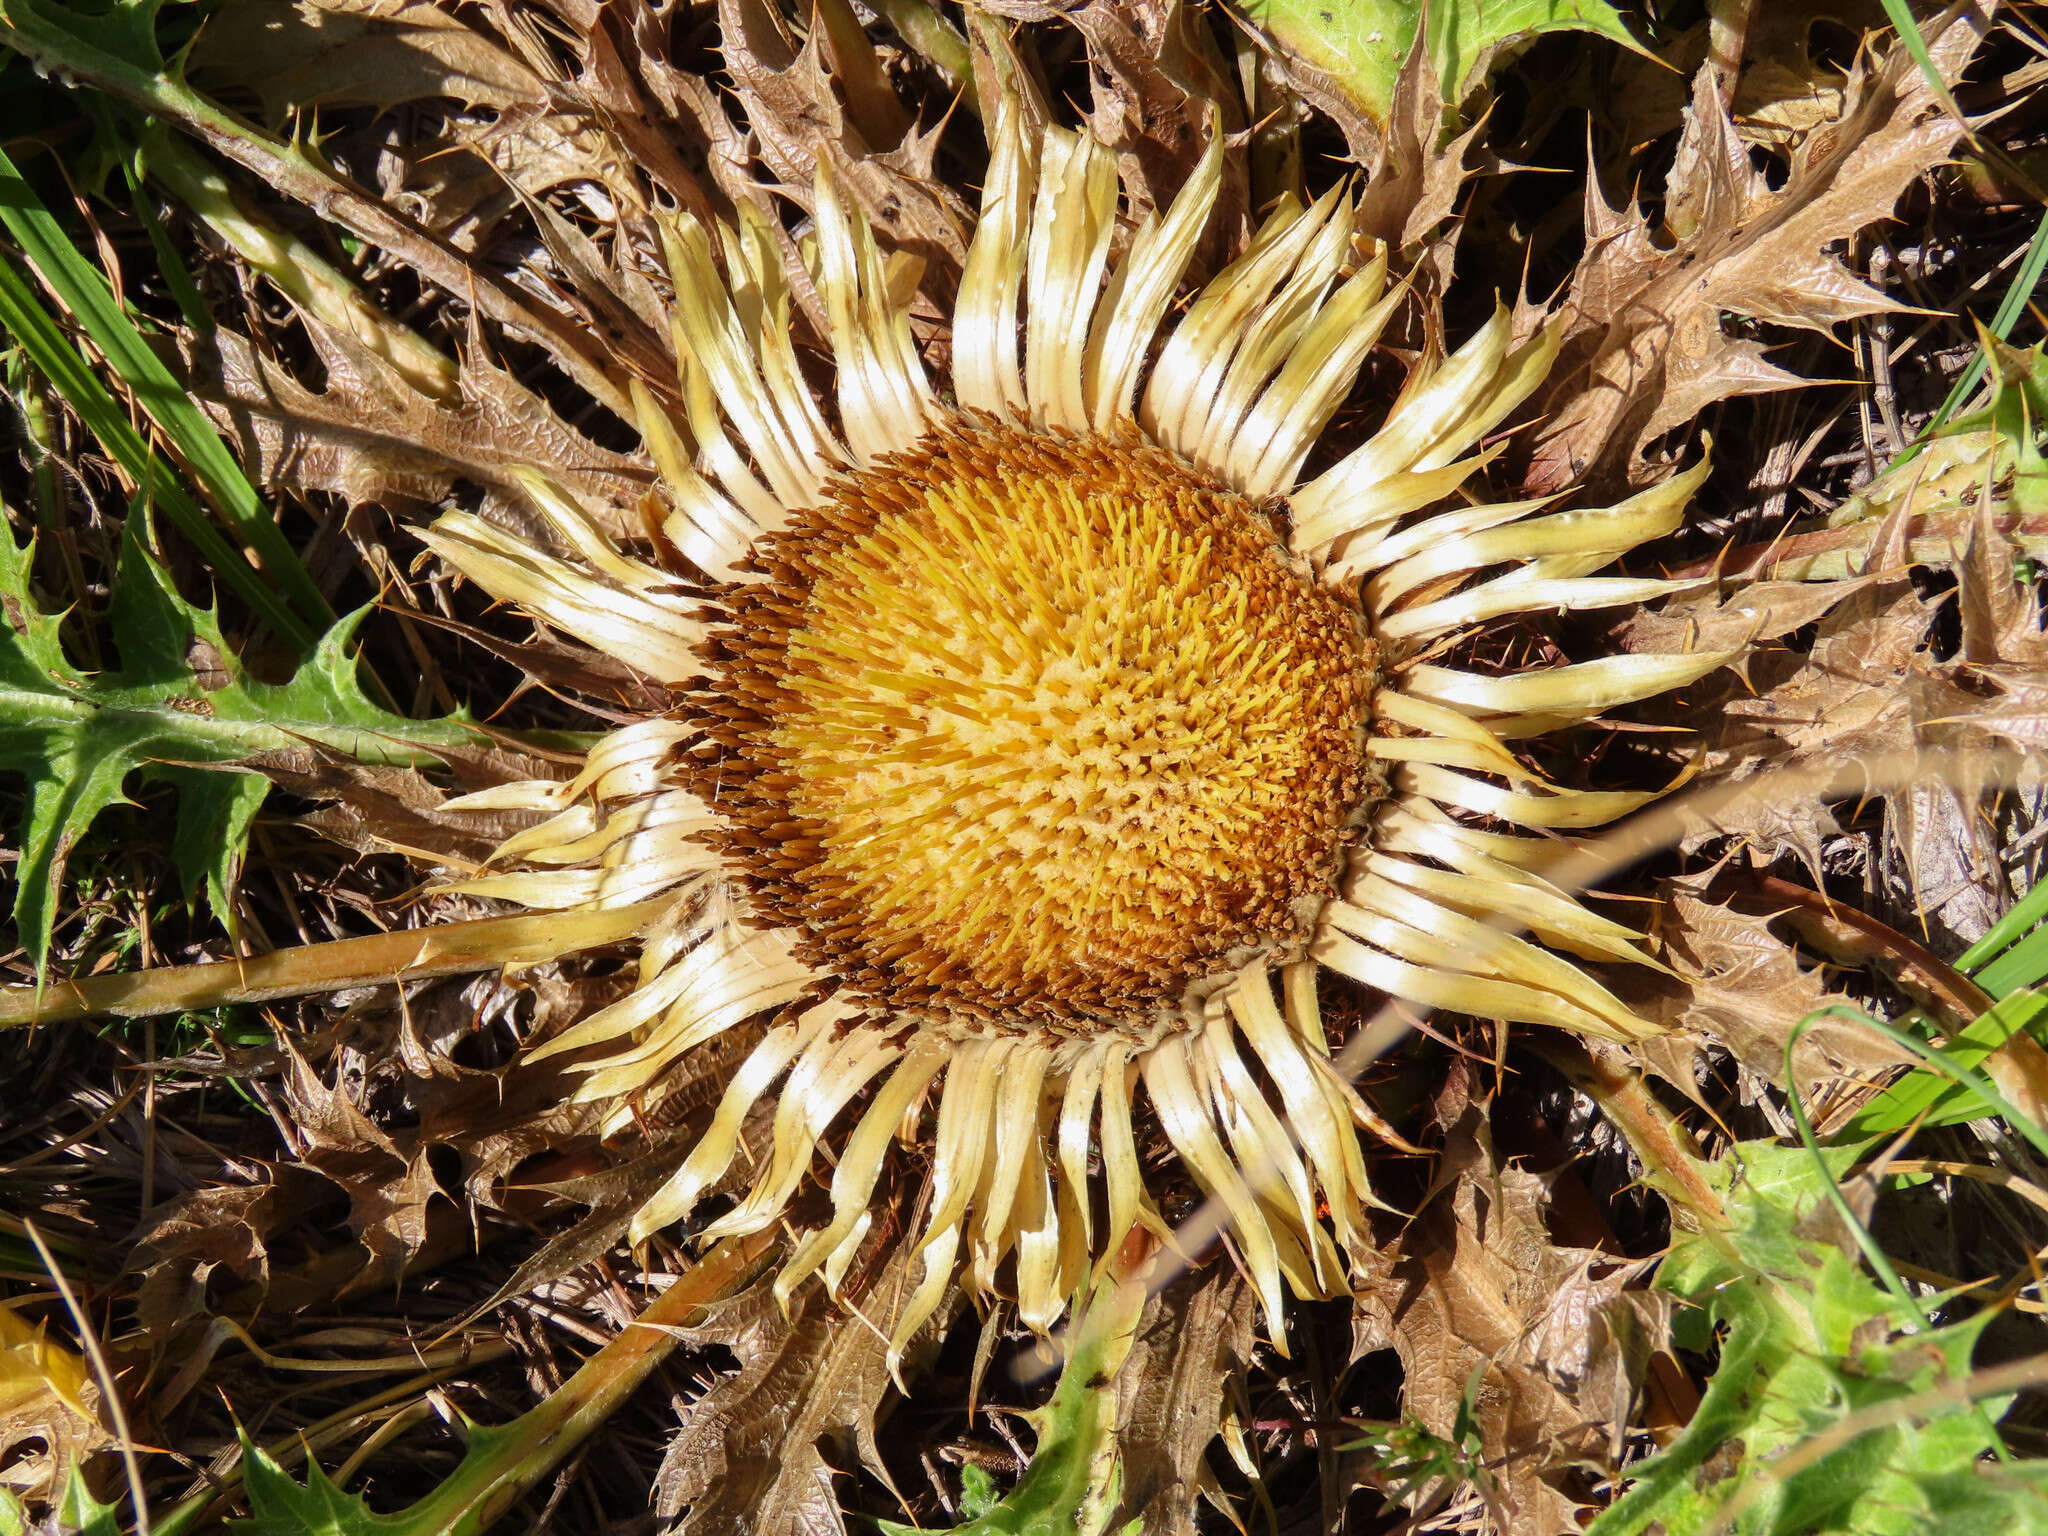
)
(1035, 731)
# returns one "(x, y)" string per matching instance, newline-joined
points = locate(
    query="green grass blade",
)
(1933, 1098)
(2027, 913)
(2024, 965)
(2024, 282)
(83, 290)
(23, 317)
(169, 262)
(1943, 1062)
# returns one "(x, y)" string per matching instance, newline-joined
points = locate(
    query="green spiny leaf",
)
(181, 709)
(1360, 45)
(279, 1505)
(85, 1515)
(78, 1513)
(1806, 1339)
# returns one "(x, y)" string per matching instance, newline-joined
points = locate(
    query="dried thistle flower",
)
(1034, 734)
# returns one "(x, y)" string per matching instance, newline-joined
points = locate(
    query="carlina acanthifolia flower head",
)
(1045, 733)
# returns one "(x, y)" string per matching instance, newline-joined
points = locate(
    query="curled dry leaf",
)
(1645, 346)
(1752, 615)
(1479, 1287)
(512, 1163)
(388, 1184)
(1742, 987)
(1195, 1334)
(219, 1226)
(756, 1440)
(1871, 684)
(527, 121)
(49, 1409)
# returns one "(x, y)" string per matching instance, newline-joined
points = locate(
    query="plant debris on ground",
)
(298, 1235)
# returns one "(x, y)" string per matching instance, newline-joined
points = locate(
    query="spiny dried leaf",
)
(748, 1459)
(1479, 1285)
(1869, 686)
(1416, 175)
(525, 127)
(370, 437)
(678, 1108)
(1742, 987)
(218, 1226)
(1789, 83)
(1645, 347)
(388, 1184)
(1195, 1334)
(389, 810)
(1751, 613)
(791, 91)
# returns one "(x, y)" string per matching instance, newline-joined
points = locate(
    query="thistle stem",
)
(413, 954)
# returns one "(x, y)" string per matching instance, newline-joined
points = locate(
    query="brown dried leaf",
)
(370, 437)
(1645, 349)
(793, 105)
(1195, 1335)
(526, 119)
(388, 1184)
(1751, 613)
(345, 52)
(682, 1104)
(748, 1459)
(663, 117)
(386, 810)
(1479, 1285)
(220, 1226)
(1790, 83)
(1869, 686)
(1156, 73)
(614, 1196)
(2001, 614)
(1742, 987)
(1326, 91)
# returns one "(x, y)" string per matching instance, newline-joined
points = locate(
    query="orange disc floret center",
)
(1024, 728)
